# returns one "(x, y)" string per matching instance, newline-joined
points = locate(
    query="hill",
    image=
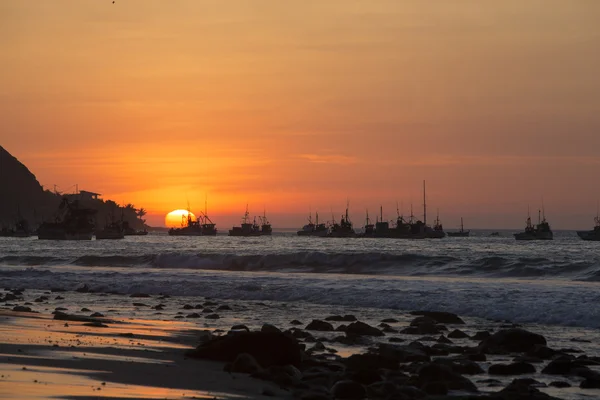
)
(20, 192)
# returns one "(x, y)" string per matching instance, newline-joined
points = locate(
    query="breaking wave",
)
(366, 263)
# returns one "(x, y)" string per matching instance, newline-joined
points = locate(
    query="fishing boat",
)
(202, 226)
(265, 225)
(129, 231)
(112, 230)
(594, 234)
(344, 229)
(314, 229)
(541, 231)
(437, 232)
(461, 233)
(72, 222)
(247, 228)
(369, 228)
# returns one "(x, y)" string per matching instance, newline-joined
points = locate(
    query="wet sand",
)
(43, 358)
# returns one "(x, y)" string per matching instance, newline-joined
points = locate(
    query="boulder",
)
(318, 325)
(441, 317)
(212, 316)
(296, 322)
(559, 384)
(267, 348)
(403, 354)
(21, 309)
(389, 320)
(521, 389)
(348, 390)
(240, 327)
(369, 361)
(361, 329)
(481, 335)
(245, 363)
(436, 372)
(270, 328)
(568, 367)
(518, 368)
(457, 334)
(511, 340)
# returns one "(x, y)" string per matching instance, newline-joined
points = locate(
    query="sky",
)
(304, 106)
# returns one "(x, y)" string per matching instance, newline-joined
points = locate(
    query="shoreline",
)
(42, 358)
(141, 357)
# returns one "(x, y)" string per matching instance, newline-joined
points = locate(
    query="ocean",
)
(552, 283)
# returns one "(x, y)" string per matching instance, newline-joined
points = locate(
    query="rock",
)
(207, 310)
(366, 376)
(60, 309)
(96, 324)
(518, 368)
(443, 339)
(590, 383)
(339, 318)
(511, 340)
(382, 389)
(267, 348)
(403, 354)
(522, 390)
(543, 352)
(159, 307)
(318, 325)
(341, 328)
(389, 320)
(21, 309)
(140, 295)
(436, 388)
(559, 384)
(348, 390)
(224, 307)
(457, 334)
(270, 328)
(212, 316)
(240, 327)
(97, 314)
(59, 298)
(140, 305)
(461, 366)
(57, 290)
(369, 361)
(567, 366)
(61, 316)
(441, 317)
(210, 304)
(187, 307)
(83, 289)
(296, 322)
(245, 363)
(85, 309)
(193, 315)
(361, 329)
(435, 372)
(481, 335)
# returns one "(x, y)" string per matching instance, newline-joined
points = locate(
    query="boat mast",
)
(462, 228)
(424, 205)
(380, 213)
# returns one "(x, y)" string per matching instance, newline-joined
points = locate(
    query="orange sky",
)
(298, 105)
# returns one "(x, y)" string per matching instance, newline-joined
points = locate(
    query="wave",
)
(365, 263)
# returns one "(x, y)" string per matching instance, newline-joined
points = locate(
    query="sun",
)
(176, 218)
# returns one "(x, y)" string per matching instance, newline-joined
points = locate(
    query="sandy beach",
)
(43, 358)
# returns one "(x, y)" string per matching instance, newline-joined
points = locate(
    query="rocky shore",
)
(407, 355)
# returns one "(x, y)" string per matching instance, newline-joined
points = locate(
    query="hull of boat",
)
(534, 236)
(65, 236)
(342, 234)
(313, 233)
(592, 236)
(459, 234)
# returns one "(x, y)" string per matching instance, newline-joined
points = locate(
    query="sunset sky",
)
(298, 105)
